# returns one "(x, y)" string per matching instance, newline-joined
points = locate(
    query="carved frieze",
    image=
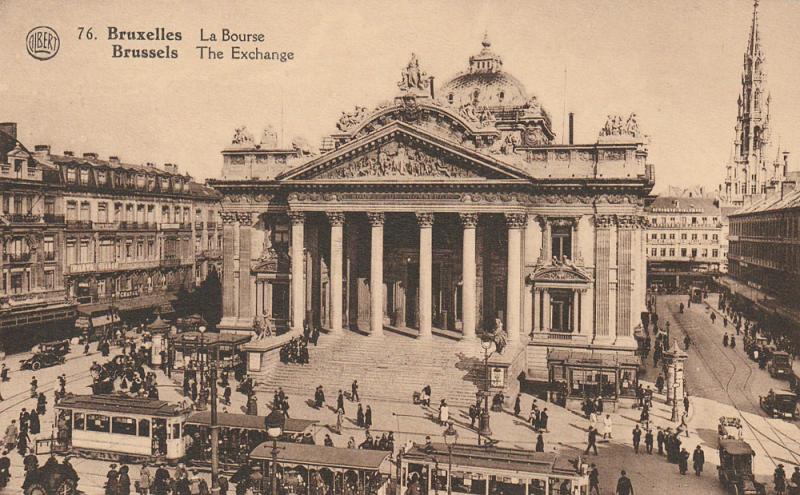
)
(605, 221)
(394, 160)
(296, 217)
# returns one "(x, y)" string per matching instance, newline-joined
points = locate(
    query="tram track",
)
(757, 433)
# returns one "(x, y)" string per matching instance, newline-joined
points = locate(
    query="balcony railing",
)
(170, 262)
(211, 253)
(79, 224)
(24, 218)
(211, 225)
(53, 218)
(198, 225)
(170, 226)
(561, 336)
(107, 226)
(34, 297)
(17, 257)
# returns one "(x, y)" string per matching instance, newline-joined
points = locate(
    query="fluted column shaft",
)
(376, 220)
(425, 221)
(336, 220)
(515, 223)
(298, 271)
(469, 270)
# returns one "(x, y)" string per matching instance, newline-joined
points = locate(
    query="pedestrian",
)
(328, 441)
(34, 386)
(607, 427)
(698, 459)
(123, 481)
(41, 404)
(339, 420)
(340, 402)
(594, 480)
(648, 441)
(660, 438)
(593, 419)
(779, 479)
(713, 317)
(368, 418)
(660, 383)
(539, 443)
(112, 480)
(145, 480)
(725, 339)
(444, 413)
(686, 403)
(686, 342)
(4, 373)
(35, 426)
(592, 441)
(354, 392)
(683, 461)
(360, 416)
(733, 342)
(624, 485)
(517, 405)
(10, 438)
(637, 436)
(543, 419)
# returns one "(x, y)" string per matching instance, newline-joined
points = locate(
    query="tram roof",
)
(321, 456)
(735, 447)
(247, 422)
(120, 404)
(495, 458)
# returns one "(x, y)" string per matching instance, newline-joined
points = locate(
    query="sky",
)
(677, 64)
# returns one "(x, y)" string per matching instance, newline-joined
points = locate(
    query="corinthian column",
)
(298, 219)
(468, 270)
(376, 275)
(245, 294)
(336, 220)
(515, 223)
(425, 221)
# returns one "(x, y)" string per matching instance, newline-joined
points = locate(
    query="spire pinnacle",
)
(486, 43)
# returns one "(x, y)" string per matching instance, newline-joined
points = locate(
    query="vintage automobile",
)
(736, 468)
(729, 428)
(780, 366)
(47, 354)
(779, 404)
(51, 479)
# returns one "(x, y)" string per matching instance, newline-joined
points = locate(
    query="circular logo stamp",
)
(42, 43)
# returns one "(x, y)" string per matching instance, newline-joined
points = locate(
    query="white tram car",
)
(120, 427)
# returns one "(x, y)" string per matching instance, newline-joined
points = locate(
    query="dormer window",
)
(501, 96)
(151, 183)
(84, 176)
(72, 175)
(100, 175)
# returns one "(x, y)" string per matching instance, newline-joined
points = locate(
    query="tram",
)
(476, 470)
(239, 434)
(120, 427)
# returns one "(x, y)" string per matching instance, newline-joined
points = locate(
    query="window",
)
(72, 210)
(6, 204)
(79, 421)
(683, 237)
(281, 234)
(694, 237)
(144, 427)
(50, 206)
(562, 241)
(123, 426)
(176, 430)
(118, 212)
(100, 175)
(715, 237)
(664, 236)
(72, 175)
(654, 236)
(84, 176)
(672, 237)
(715, 253)
(97, 422)
(653, 252)
(663, 251)
(102, 212)
(672, 251)
(694, 253)
(705, 253)
(683, 252)
(85, 212)
(694, 220)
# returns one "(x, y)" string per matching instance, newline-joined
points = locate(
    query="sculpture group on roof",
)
(349, 119)
(242, 136)
(412, 77)
(616, 126)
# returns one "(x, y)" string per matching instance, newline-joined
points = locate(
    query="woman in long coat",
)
(34, 422)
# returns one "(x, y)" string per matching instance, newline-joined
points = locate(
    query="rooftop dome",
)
(485, 84)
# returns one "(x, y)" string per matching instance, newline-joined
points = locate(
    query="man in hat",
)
(779, 478)
(624, 485)
(594, 480)
(698, 459)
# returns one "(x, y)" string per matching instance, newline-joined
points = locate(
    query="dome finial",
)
(486, 43)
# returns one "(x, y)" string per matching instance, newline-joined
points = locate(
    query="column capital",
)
(516, 220)
(424, 219)
(469, 220)
(605, 221)
(296, 217)
(336, 218)
(245, 218)
(229, 217)
(376, 219)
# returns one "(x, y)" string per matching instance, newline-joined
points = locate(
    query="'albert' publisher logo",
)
(42, 43)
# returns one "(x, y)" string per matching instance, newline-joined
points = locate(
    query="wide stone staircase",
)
(388, 368)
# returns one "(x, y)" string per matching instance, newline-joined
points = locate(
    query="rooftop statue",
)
(412, 77)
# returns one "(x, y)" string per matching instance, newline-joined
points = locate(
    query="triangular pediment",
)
(400, 152)
(560, 272)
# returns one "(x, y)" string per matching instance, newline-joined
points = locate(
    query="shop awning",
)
(321, 456)
(144, 302)
(103, 320)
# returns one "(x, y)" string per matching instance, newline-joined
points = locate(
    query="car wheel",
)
(36, 489)
(36, 365)
(66, 487)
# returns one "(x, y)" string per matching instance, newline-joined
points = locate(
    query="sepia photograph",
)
(426, 247)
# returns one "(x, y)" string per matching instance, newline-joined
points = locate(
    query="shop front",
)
(582, 375)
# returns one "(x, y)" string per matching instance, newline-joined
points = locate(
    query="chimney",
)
(69, 153)
(113, 160)
(41, 150)
(785, 163)
(431, 86)
(571, 128)
(91, 155)
(787, 187)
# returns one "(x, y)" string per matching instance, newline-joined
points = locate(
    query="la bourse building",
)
(441, 215)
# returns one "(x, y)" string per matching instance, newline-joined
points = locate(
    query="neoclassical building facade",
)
(441, 212)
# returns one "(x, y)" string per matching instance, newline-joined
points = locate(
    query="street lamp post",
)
(450, 438)
(214, 420)
(274, 423)
(485, 430)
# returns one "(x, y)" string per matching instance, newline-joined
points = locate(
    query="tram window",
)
(79, 421)
(123, 426)
(176, 430)
(97, 422)
(144, 428)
